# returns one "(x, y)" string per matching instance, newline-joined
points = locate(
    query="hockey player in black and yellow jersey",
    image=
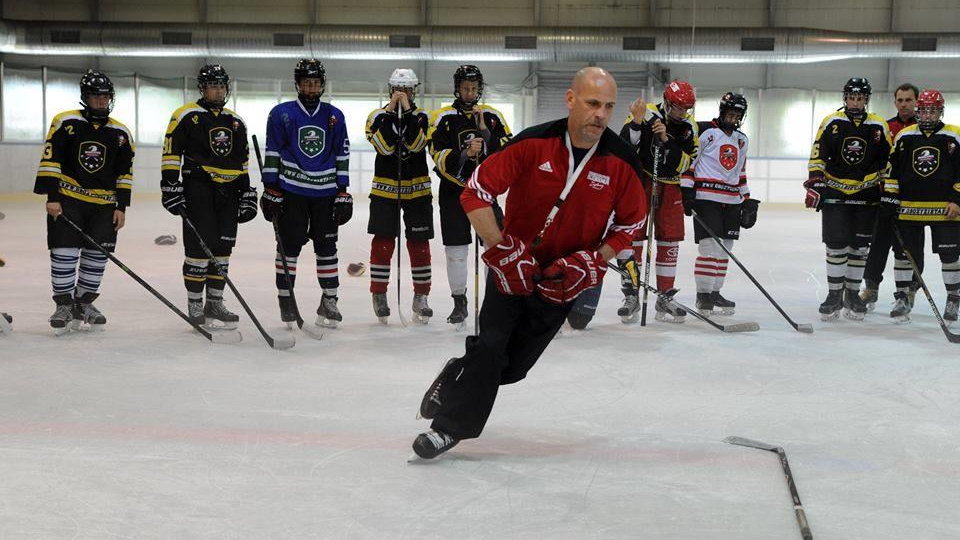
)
(461, 136)
(848, 156)
(923, 188)
(398, 132)
(86, 172)
(206, 145)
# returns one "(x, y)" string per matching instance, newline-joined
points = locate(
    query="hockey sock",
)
(705, 268)
(381, 255)
(63, 269)
(836, 267)
(215, 282)
(282, 288)
(856, 262)
(667, 253)
(951, 272)
(194, 276)
(92, 265)
(722, 261)
(457, 268)
(327, 273)
(419, 251)
(903, 272)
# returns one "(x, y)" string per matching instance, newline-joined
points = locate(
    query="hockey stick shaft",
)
(203, 331)
(276, 234)
(951, 337)
(651, 212)
(797, 505)
(806, 328)
(399, 155)
(476, 283)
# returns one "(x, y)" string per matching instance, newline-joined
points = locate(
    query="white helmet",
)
(404, 78)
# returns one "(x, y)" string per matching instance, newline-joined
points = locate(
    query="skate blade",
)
(421, 319)
(666, 317)
(852, 315)
(61, 331)
(94, 327)
(707, 312)
(326, 323)
(460, 326)
(724, 312)
(217, 324)
(902, 319)
(630, 319)
(871, 306)
(313, 331)
(384, 320)
(828, 317)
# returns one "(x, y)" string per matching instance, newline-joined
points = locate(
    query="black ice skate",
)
(629, 311)
(195, 312)
(328, 316)
(421, 311)
(62, 320)
(433, 398)
(869, 294)
(432, 443)
(854, 308)
(901, 307)
(288, 310)
(380, 307)
(5, 323)
(459, 314)
(951, 309)
(912, 293)
(705, 304)
(217, 315)
(831, 307)
(88, 313)
(724, 306)
(667, 311)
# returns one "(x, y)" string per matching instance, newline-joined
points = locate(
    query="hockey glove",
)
(248, 205)
(566, 278)
(342, 208)
(689, 200)
(748, 213)
(815, 187)
(271, 202)
(889, 207)
(513, 266)
(171, 195)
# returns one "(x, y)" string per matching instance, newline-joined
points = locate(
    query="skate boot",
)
(667, 311)
(869, 294)
(421, 311)
(8, 317)
(901, 307)
(328, 316)
(433, 399)
(216, 313)
(831, 307)
(89, 314)
(854, 308)
(629, 311)
(288, 310)
(459, 314)
(952, 307)
(432, 443)
(912, 293)
(726, 307)
(62, 320)
(380, 307)
(705, 303)
(5, 321)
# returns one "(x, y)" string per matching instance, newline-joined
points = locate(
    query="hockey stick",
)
(797, 506)
(276, 343)
(648, 255)
(476, 283)
(399, 153)
(283, 255)
(805, 328)
(728, 328)
(220, 336)
(951, 337)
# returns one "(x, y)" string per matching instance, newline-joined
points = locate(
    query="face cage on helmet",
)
(737, 124)
(927, 125)
(456, 90)
(99, 113)
(323, 85)
(866, 102)
(203, 89)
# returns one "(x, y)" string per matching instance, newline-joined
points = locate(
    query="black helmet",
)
(732, 102)
(95, 83)
(213, 74)
(856, 85)
(310, 68)
(467, 72)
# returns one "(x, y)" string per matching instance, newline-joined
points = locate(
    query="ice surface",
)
(149, 431)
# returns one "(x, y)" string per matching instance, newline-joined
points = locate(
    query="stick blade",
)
(741, 327)
(226, 337)
(805, 328)
(751, 443)
(283, 343)
(312, 330)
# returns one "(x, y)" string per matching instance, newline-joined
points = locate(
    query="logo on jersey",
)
(221, 141)
(728, 156)
(92, 156)
(597, 180)
(545, 167)
(854, 150)
(926, 160)
(312, 140)
(468, 135)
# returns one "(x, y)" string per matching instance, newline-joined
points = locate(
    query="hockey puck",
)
(356, 269)
(165, 240)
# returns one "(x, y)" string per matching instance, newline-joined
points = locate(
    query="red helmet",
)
(929, 101)
(930, 98)
(680, 93)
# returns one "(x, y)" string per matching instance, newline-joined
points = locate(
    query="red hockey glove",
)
(815, 187)
(566, 278)
(513, 266)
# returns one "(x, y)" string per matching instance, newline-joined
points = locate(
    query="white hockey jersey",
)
(719, 173)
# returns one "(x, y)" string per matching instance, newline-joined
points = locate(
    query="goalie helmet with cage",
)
(929, 109)
(214, 74)
(310, 68)
(857, 86)
(731, 102)
(95, 83)
(468, 72)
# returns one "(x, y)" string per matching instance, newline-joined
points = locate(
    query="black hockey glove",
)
(271, 202)
(171, 195)
(748, 213)
(343, 208)
(889, 207)
(689, 200)
(248, 205)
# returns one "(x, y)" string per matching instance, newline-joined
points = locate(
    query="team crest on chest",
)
(312, 140)
(926, 160)
(854, 149)
(92, 156)
(466, 136)
(728, 156)
(221, 141)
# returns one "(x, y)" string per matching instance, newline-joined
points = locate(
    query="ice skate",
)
(288, 311)
(328, 316)
(62, 320)
(431, 444)
(853, 307)
(869, 295)
(629, 311)
(216, 315)
(667, 311)
(380, 307)
(421, 311)
(831, 307)
(705, 304)
(88, 314)
(901, 307)
(951, 309)
(458, 316)
(195, 312)
(723, 306)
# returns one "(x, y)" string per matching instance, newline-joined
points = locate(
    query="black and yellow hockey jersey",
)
(213, 143)
(925, 172)
(676, 155)
(851, 156)
(86, 161)
(451, 130)
(384, 133)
